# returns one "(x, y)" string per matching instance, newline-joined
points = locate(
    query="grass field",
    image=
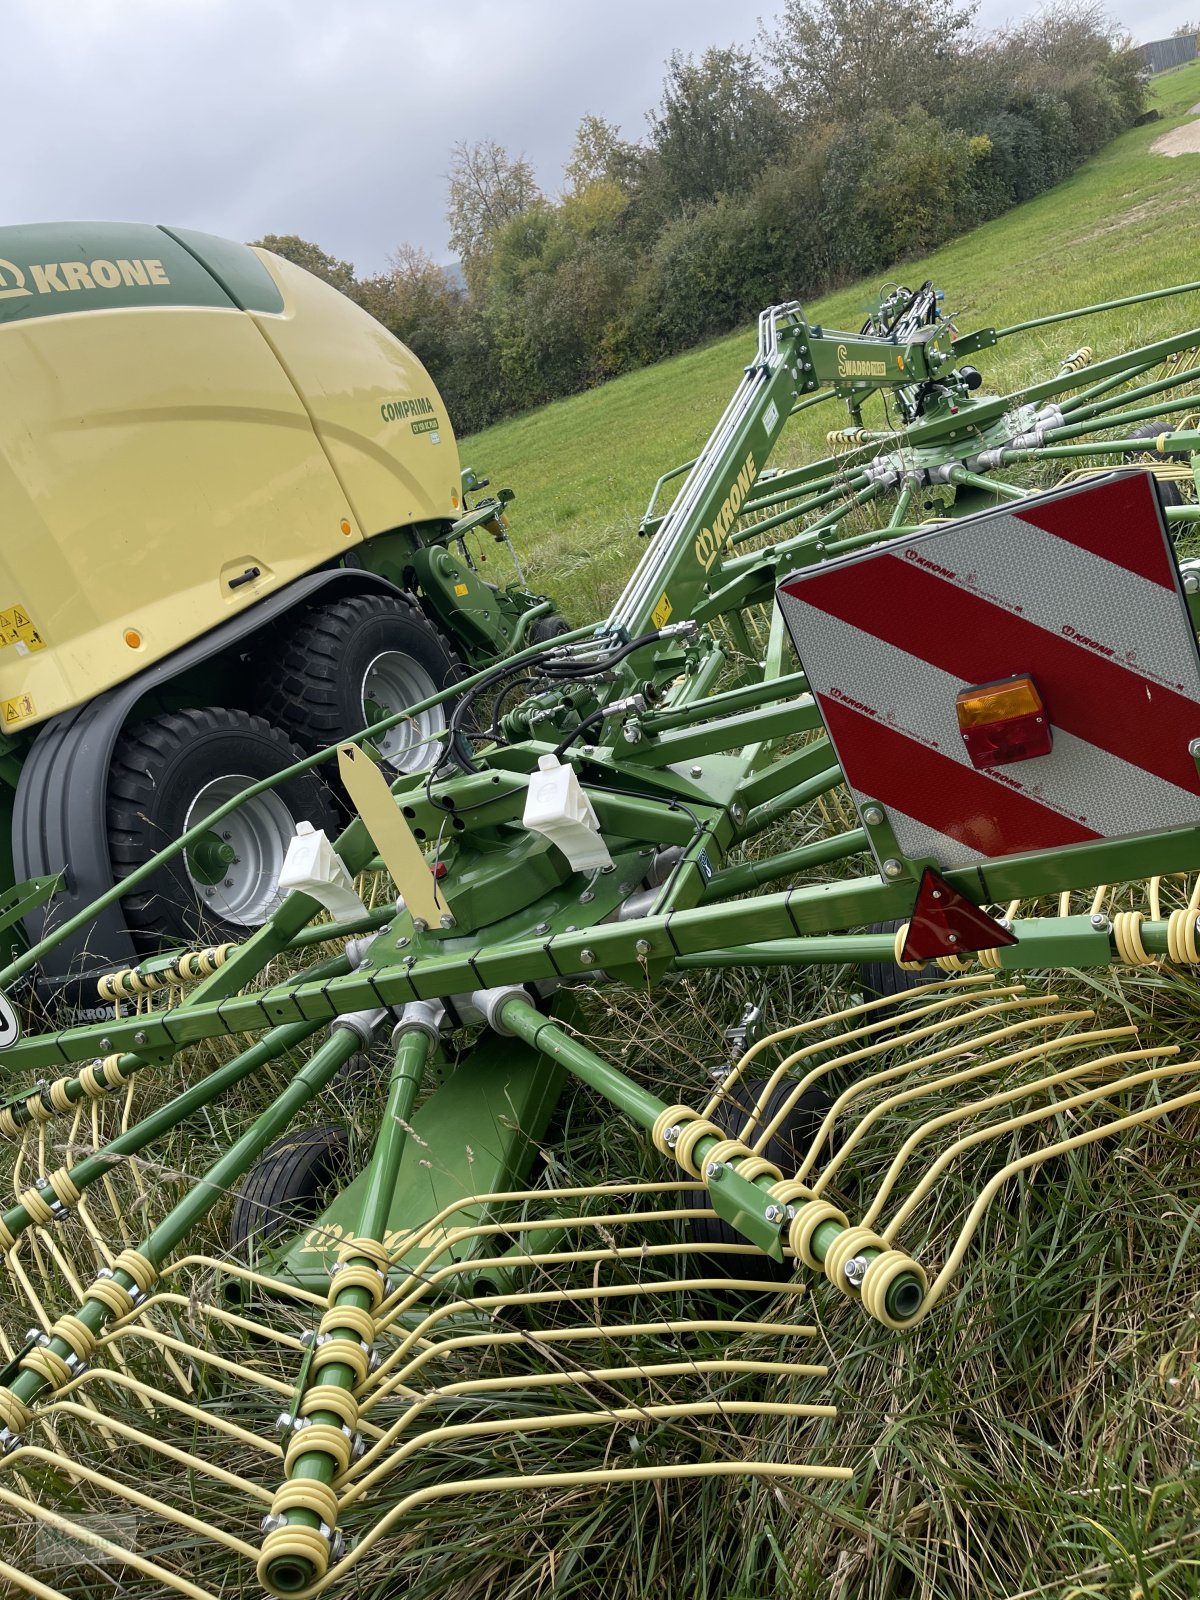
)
(1037, 1436)
(584, 467)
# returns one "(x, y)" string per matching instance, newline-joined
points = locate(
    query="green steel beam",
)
(440, 967)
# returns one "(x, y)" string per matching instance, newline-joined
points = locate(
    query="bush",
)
(740, 200)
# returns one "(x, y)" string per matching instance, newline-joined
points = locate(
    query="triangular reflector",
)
(945, 923)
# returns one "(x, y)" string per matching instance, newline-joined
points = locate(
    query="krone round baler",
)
(235, 531)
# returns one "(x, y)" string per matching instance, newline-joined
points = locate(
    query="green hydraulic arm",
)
(794, 359)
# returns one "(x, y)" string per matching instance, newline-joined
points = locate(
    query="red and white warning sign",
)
(1077, 590)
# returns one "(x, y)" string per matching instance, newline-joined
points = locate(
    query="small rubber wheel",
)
(1168, 492)
(786, 1147)
(547, 628)
(335, 669)
(885, 980)
(168, 774)
(287, 1186)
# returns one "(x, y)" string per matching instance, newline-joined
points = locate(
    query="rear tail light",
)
(1004, 721)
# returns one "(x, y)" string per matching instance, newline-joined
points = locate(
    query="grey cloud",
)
(334, 121)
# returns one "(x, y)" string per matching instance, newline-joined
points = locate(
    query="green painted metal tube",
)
(287, 1574)
(749, 698)
(1079, 407)
(269, 1048)
(326, 932)
(1117, 414)
(996, 486)
(412, 1052)
(807, 909)
(333, 967)
(1074, 452)
(342, 1043)
(860, 541)
(831, 519)
(903, 501)
(525, 621)
(838, 948)
(1103, 305)
(522, 1019)
(749, 874)
(802, 508)
(711, 668)
(772, 810)
(810, 536)
(789, 484)
(1111, 381)
(806, 402)
(220, 1178)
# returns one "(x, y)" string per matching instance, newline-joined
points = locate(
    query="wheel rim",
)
(391, 683)
(259, 833)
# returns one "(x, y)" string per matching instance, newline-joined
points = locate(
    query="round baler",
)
(235, 532)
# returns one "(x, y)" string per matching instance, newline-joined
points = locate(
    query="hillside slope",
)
(1126, 222)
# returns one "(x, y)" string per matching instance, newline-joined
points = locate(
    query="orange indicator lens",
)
(1003, 721)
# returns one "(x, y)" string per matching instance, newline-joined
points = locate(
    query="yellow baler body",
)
(173, 450)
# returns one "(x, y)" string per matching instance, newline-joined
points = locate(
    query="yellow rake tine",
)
(1021, 1092)
(954, 1080)
(1056, 1108)
(1133, 1120)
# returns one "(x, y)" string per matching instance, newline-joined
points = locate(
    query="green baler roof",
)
(49, 268)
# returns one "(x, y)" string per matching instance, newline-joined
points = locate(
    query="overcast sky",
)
(334, 119)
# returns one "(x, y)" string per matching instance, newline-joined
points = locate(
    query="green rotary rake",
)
(359, 1219)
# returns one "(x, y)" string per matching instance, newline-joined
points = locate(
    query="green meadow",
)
(584, 467)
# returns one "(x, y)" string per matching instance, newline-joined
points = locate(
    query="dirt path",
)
(1180, 141)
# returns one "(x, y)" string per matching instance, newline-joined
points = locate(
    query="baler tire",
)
(320, 666)
(169, 772)
(786, 1147)
(285, 1187)
(1168, 492)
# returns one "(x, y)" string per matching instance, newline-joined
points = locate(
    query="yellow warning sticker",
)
(17, 627)
(19, 709)
(661, 614)
(460, 589)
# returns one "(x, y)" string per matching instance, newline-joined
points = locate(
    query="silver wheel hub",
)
(392, 683)
(258, 833)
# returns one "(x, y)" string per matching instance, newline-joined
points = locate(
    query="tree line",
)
(850, 135)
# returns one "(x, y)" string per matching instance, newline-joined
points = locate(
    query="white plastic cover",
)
(314, 867)
(557, 808)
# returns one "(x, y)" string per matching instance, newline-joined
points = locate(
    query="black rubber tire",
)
(312, 671)
(159, 767)
(1168, 492)
(547, 628)
(884, 979)
(786, 1147)
(286, 1186)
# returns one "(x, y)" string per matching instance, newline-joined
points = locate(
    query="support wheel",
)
(1168, 492)
(885, 980)
(547, 628)
(786, 1147)
(286, 1187)
(167, 775)
(337, 668)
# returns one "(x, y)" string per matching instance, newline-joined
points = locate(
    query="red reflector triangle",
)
(945, 923)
